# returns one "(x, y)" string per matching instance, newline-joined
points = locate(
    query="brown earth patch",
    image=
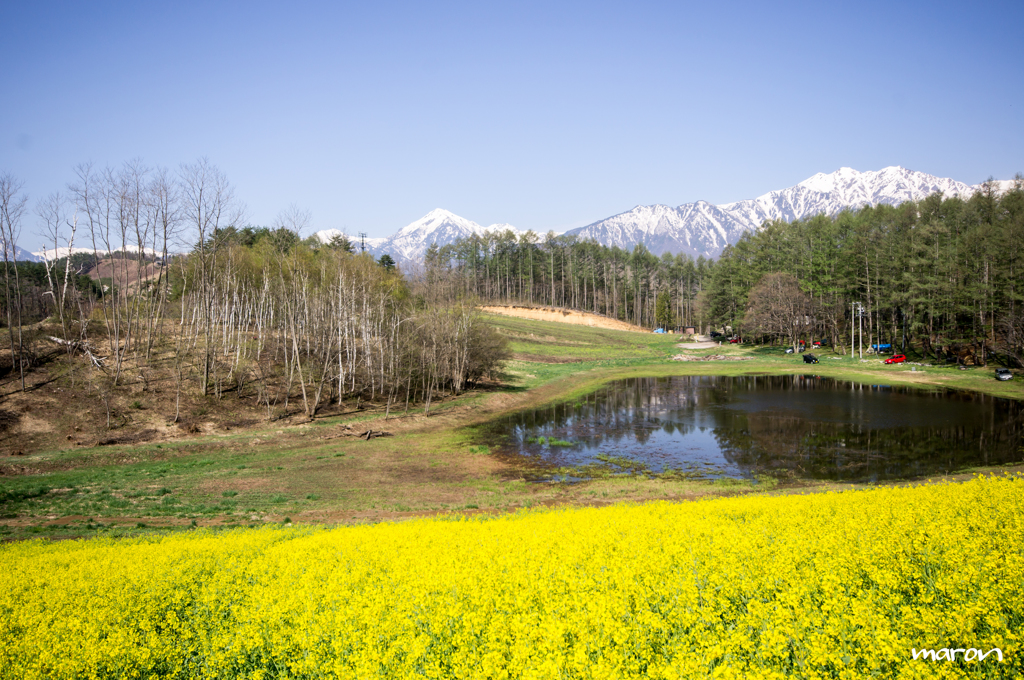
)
(124, 271)
(704, 344)
(8, 419)
(710, 357)
(539, 359)
(563, 316)
(136, 438)
(241, 484)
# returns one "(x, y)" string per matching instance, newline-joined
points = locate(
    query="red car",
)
(896, 359)
(735, 341)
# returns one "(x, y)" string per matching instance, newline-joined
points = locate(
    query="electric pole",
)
(860, 324)
(362, 241)
(853, 330)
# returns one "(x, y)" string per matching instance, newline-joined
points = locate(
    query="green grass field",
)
(313, 472)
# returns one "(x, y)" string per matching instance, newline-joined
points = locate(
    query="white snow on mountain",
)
(411, 242)
(1001, 186)
(19, 254)
(63, 251)
(327, 235)
(703, 229)
(698, 228)
(57, 253)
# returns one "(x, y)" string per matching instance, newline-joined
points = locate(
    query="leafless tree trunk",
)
(208, 204)
(12, 208)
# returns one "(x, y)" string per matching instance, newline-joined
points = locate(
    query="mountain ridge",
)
(701, 228)
(696, 228)
(705, 229)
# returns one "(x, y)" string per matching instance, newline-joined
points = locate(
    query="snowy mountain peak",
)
(437, 219)
(825, 183)
(439, 226)
(503, 226)
(700, 228)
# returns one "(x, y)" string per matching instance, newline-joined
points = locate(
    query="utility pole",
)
(860, 324)
(853, 329)
(362, 241)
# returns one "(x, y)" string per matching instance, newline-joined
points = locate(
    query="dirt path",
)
(563, 316)
(701, 345)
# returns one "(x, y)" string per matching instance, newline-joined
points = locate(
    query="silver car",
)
(1003, 374)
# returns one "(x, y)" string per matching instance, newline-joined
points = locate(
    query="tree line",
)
(942, 275)
(564, 271)
(254, 311)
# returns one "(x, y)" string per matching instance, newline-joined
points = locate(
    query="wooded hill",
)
(256, 312)
(941, 274)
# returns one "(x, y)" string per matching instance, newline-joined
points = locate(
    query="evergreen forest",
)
(940, 276)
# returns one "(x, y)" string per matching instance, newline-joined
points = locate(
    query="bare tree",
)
(165, 216)
(60, 229)
(777, 307)
(12, 208)
(207, 205)
(294, 219)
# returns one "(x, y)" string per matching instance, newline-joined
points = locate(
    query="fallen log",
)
(80, 346)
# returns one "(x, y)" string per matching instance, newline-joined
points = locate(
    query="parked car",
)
(1003, 374)
(715, 334)
(896, 359)
(810, 359)
(821, 343)
(735, 340)
(789, 350)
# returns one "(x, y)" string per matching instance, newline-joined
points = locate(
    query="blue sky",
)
(543, 115)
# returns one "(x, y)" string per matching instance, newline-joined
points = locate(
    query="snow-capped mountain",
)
(19, 254)
(698, 228)
(411, 242)
(704, 229)
(64, 251)
(327, 235)
(50, 254)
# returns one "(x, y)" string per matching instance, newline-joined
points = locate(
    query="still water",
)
(787, 426)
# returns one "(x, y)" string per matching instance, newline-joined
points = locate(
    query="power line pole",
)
(362, 240)
(853, 329)
(860, 324)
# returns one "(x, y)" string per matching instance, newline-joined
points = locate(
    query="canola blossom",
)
(838, 585)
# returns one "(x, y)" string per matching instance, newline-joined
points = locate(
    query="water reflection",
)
(805, 426)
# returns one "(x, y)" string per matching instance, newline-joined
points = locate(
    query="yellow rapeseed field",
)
(839, 585)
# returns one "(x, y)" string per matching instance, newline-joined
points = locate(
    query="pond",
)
(802, 426)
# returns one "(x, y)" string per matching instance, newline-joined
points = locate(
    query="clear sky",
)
(544, 115)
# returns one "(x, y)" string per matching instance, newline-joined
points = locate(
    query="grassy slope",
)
(309, 472)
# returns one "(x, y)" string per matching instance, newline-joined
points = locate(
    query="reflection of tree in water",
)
(766, 442)
(764, 424)
(626, 413)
